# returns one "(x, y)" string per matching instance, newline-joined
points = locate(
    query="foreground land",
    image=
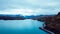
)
(52, 23)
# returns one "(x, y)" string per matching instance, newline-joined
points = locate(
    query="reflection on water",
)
(27, 26)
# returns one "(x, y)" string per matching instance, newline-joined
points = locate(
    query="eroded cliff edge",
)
(52, 23)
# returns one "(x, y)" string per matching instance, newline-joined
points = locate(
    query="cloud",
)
(28, 12)
(29, 7)
(17, 11)
(33, 4)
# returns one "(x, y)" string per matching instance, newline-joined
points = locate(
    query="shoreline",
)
(46, 30)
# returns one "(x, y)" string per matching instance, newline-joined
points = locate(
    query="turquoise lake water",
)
(27, 26)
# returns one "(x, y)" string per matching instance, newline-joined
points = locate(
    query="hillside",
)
(52, 23)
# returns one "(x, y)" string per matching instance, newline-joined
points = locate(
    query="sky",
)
(30, 7)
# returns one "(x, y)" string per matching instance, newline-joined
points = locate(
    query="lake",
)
(27, 26)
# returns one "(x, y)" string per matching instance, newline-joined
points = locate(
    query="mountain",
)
(11, 17)
(20, 17)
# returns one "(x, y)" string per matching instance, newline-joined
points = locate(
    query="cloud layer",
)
(29, 7)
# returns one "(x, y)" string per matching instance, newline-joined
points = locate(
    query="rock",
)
(53, 23)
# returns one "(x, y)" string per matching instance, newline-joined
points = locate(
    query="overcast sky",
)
(29, 7)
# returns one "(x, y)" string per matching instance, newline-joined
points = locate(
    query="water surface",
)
(27, 26)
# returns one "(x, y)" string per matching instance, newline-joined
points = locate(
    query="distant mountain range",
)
(11, 17)
(20, 17)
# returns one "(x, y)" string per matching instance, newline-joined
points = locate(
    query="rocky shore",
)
(52, 23)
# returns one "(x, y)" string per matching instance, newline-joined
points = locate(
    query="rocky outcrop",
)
(52, 23)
